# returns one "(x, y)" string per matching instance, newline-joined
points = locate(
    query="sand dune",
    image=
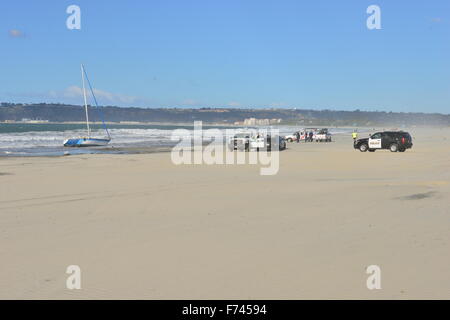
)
(141, 227)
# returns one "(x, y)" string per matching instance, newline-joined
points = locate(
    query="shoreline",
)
(138, 148)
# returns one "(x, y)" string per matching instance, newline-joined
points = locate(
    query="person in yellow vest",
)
(354, 136)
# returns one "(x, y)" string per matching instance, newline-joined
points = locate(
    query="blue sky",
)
(206, 53)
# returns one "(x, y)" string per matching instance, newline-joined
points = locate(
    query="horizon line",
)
(358, 109)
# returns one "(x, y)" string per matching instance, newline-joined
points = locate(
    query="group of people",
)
(308, 136)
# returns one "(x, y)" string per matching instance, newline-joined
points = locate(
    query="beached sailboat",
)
(88, 141)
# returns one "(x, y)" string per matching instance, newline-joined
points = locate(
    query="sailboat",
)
(88, 141)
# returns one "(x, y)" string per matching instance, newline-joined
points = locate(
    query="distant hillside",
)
(62, 112)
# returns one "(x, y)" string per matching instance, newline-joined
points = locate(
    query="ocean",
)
(46, 139)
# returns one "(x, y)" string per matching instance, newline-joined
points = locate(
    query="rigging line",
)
(96, 104)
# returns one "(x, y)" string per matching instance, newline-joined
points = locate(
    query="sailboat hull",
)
(86, 142)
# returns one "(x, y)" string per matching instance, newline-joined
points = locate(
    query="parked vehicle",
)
(303, 134)
(392, 140)
(323, 135)
(292, 137)
(240, 141)
(257, 143)
(245, 142)
(281, 145)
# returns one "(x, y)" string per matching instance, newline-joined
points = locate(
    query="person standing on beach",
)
(297, 135)
(354, 136)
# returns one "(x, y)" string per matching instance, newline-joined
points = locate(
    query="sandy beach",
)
(141, 227)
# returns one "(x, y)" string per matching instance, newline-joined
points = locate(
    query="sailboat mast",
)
(85, 102)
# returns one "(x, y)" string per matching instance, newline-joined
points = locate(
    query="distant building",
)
(26, 120)
(261, 122)
(250, 122)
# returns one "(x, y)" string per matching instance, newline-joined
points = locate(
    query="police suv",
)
(392, 140)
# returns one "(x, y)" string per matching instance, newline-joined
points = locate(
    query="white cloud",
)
(234, 104)
(101, 95)
(74, 94)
